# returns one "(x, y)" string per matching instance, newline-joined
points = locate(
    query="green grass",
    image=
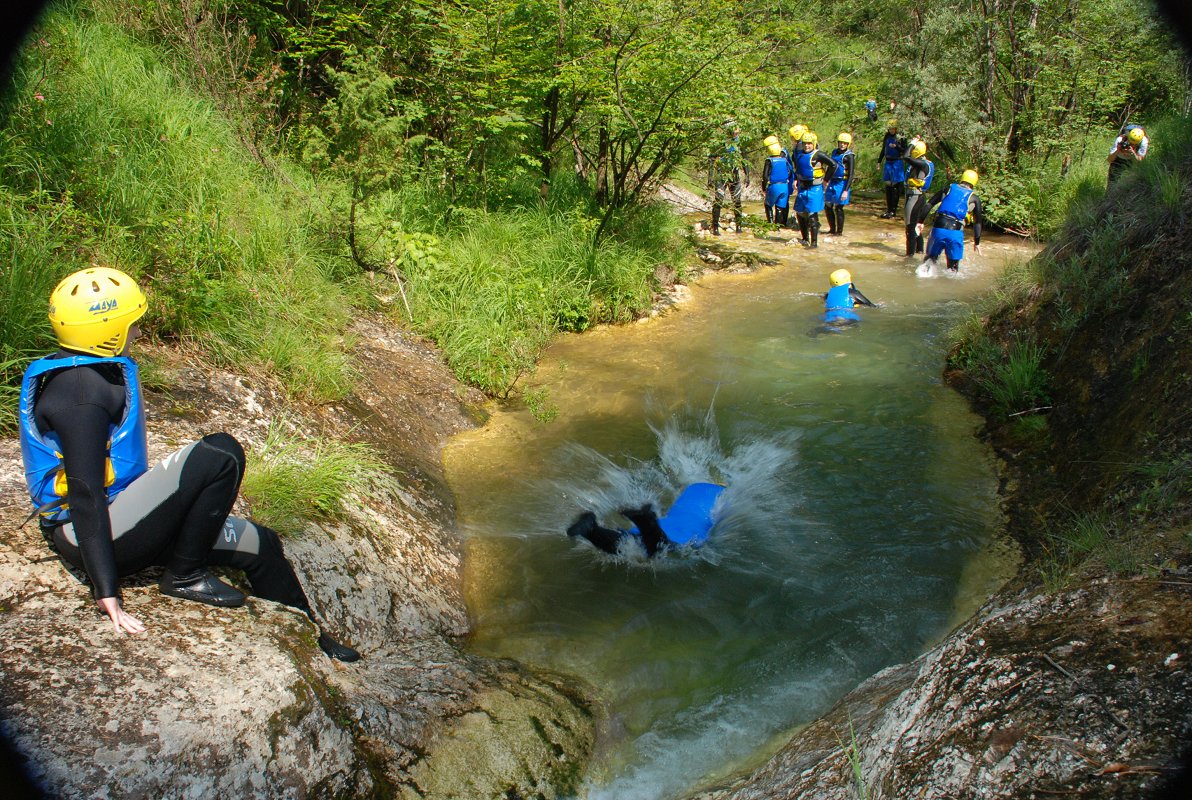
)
(106, 158)
(291, 480)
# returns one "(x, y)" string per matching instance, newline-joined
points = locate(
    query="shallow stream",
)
(859, 526)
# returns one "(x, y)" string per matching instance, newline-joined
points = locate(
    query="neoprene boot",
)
(831, 212)
(653, 537)
(201, 587)
(585, 525)
(333, 649)
(840, 220)
(815, 228)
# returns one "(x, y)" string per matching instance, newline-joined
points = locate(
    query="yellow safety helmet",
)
(918, 148)
(840, 277)
(892, 126)
(92, 310)
(969, 176)
(809, 138)
(1135, 136)
(774, 149)
(797, 131)
(844, 138)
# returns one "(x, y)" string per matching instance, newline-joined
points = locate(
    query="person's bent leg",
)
(585, 525)
(258, 551)
(653, 537)
(217, 466)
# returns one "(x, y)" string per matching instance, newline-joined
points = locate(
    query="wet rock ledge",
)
(241, 702)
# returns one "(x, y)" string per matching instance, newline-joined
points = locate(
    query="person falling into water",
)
(687, 523)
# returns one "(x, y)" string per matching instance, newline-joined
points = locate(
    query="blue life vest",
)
(839, 297)
(922, 182)
(128, 451)
(780, 169)
(893, 151)
(841, 173)
(689, 519)
(808, 169)
(956, 202)
(870, 105)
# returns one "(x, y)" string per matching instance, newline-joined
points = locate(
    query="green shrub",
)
(290, 481)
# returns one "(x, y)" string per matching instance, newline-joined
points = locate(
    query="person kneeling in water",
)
(687, 523)
(102, 508)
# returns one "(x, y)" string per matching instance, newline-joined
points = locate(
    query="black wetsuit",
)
(727, 172)
(176, 515)
(835, 211)
(975, 211)
(917, 169)
(653, 538)
(890, 142)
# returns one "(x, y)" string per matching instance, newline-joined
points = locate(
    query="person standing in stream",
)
(101, 505)
(893, 172)
(812, 169)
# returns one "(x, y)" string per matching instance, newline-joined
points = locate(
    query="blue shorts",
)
(778, 194)
(810, 200)
(832, 195)
(944, 240)
(894, 172)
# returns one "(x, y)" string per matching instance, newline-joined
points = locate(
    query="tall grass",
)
(106, 158)
(492, 288)
(290, 479)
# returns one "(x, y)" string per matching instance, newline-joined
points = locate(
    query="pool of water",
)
(859, 525)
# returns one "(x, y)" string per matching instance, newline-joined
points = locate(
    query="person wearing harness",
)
(687, 523)
(102, 507)
(777, 175)
(957, 203)
(890, 160)
(1128, 149)
(919, 172)
(727, 171)
(836, 196)
(841, 297)
(813, 168)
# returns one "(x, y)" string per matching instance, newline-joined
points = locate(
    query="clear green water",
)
(860, 521)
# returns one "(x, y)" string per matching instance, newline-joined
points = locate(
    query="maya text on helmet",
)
(92, 310)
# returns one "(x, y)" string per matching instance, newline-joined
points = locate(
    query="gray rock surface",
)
(241, 702)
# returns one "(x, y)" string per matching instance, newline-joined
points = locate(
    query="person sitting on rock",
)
(687, 523)
(102, 507)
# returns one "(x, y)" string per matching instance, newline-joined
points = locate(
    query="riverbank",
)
(1074, 679)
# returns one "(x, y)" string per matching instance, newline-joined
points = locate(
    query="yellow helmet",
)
(969, 176)
(1135, 136)
(840, 277)
(918, 148)
(892, 126)
(773, 145)
(92, 310)
(809, 138)
(844, 138)
(797, 131)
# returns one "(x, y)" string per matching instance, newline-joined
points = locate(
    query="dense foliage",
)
(494, 162)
